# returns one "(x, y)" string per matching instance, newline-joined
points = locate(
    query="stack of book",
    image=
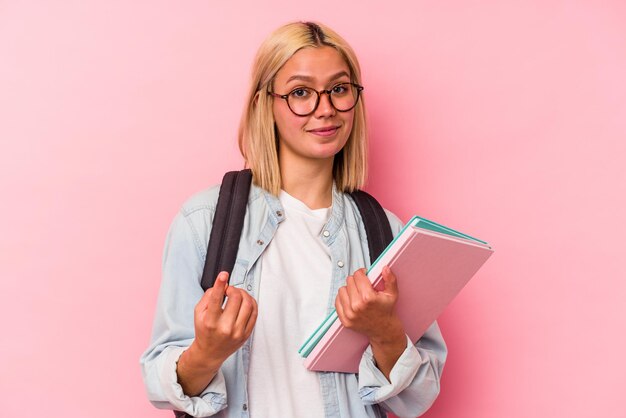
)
(431, 262)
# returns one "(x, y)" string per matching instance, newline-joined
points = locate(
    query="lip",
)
(325, 130)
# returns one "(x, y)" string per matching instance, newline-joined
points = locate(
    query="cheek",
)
(349, 123)
(287, 123)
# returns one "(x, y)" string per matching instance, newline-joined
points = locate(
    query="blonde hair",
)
(257, 130)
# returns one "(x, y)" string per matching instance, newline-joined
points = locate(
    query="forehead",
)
(319, 64)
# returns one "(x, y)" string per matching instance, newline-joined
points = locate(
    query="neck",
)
(310, 182)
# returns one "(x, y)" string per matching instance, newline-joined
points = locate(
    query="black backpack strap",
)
(226, 231)
(376, 223)
(227, 225)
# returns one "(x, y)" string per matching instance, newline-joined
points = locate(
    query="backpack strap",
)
(227, 225)
(377, 227)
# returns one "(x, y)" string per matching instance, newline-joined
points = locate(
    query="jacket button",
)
(245, 407)
(326, 233)
(249, 287)
(279, 213)
(340, 264)
(260, 242)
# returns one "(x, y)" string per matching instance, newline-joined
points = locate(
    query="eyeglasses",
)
(303, 101)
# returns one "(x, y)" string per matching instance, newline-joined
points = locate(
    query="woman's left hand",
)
(362, 308)
(368, 311)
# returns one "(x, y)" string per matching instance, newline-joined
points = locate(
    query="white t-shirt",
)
(293, 294)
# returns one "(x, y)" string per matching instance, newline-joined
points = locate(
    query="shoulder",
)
(205, 200)
(203, 203)
(193, 220)
(395, 222)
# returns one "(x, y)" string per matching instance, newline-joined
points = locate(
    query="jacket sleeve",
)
(173, 328)
(414, 381)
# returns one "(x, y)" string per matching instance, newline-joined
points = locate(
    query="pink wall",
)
(504, 119)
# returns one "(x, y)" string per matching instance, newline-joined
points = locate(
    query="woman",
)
(303, 135)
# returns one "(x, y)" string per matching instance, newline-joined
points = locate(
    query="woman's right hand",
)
(219, 333)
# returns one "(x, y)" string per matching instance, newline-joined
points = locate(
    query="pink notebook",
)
(431, 269)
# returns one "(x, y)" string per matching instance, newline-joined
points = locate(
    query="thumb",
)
(391, 283)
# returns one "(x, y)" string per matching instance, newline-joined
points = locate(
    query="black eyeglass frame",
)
(358, 87)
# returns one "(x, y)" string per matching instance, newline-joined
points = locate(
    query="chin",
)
(325, 152)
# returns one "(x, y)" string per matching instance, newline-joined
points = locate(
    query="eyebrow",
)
(307, 78)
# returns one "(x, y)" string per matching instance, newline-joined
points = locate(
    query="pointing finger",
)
(215, 295)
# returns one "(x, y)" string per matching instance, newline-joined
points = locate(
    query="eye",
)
(300, 93)
(340, 88)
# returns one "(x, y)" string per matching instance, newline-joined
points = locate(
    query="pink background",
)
(506, 120)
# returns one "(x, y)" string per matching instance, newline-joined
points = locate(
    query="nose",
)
(325, 107)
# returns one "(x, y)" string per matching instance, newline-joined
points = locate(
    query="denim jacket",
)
(414, 381)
